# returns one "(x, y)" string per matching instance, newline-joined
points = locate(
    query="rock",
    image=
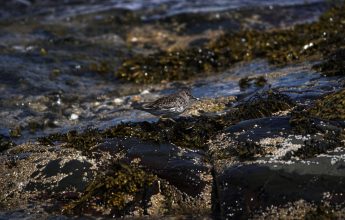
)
(184, 175)
(31, 173)
(264, 163)
(250, 188)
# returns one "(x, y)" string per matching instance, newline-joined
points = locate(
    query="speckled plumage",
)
(169, 106)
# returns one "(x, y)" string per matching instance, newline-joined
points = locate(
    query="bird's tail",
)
(137, 105)
(140, 106)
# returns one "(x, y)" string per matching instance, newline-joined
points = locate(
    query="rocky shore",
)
(265, 141)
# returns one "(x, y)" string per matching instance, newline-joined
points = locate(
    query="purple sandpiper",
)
(168, 106)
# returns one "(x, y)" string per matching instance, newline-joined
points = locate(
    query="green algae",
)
(121, 188)
(302, 42)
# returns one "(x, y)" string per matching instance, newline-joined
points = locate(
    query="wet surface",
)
(61, 72)
(183, 168)
(152, 9)
(275, 187)
(261, 138)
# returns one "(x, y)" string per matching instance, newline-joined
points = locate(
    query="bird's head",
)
(187, 93)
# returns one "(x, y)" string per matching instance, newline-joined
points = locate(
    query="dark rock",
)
(183, 168)
(333, 65)
(264, 163)
(65, 175)
(251, 188)
(5, 143)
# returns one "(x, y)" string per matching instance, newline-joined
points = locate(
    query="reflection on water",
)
(150, 8)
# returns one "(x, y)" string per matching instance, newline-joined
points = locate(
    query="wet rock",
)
(183, 168)
(30, 173)
(184, 175)
(262, 163)
(74, 173)
(126, 177)
(333, 65)
(247, 189)
(5, 143)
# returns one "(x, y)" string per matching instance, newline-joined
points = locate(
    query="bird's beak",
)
(197, 99)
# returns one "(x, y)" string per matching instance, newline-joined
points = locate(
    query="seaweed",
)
(263, 105)
(302, 42)
(316, 147)
(191, 132)
(80, 141)
(330, 107)
(16, 132)
(320, 118)
(321, 212)
(245, 82)
(334, 64)
(247, 150)
(121, 188)
(5, 143)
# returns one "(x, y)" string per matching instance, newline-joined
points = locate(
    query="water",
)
(150, 8)
(57, 60)
(57, 65)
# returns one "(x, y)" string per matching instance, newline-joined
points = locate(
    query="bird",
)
(168, 106)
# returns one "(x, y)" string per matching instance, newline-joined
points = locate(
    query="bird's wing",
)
(166, 102)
